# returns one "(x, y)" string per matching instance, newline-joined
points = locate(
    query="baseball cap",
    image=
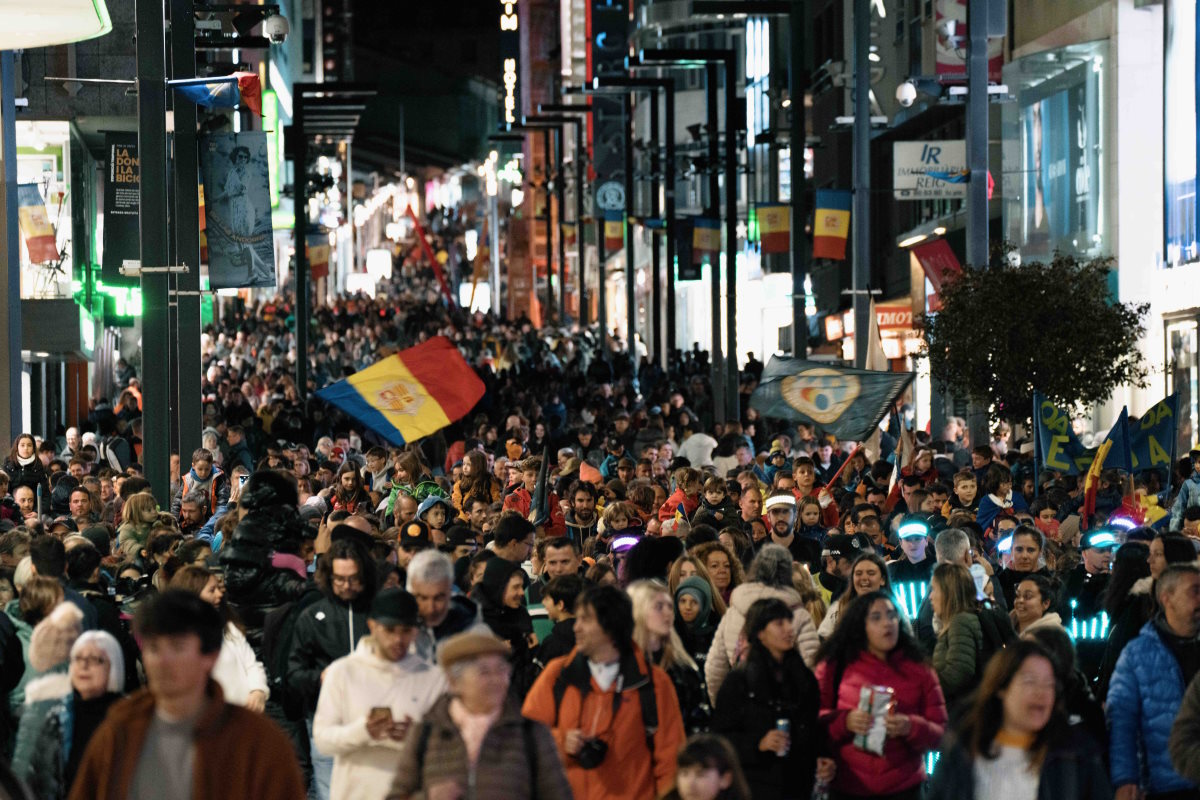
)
(779, 500)
(1101, 539)
(846, 546)
(913, 527)
(460, 535)
(414, 536)
(65, 521)
(394, 607)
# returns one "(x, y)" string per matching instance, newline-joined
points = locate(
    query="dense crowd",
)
(581, 589)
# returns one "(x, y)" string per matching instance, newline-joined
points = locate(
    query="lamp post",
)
(711, 59)
(580, 171)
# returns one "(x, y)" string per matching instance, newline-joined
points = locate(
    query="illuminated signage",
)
(510, 54)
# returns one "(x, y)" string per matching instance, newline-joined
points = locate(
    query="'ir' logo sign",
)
(931, 154)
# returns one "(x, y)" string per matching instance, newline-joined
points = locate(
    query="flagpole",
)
(849, 458)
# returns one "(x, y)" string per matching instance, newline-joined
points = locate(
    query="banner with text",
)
(122, 206)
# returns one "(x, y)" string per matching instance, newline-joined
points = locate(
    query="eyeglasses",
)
(89, 661)
(346, 580)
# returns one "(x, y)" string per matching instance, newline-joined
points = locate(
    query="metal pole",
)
(656, 300)
(713, 211)
(797, 83)
(549, 305)
(187, 232)
(630, 262)
(560, 186)
(602, 297)
(579, 244)
(669, 180)
(300, 170)
(152, 155)
(862, 179)
(977, 135)
(732, 396)
(494, 224)
(10, 252)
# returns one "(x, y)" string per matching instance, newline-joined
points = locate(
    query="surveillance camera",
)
(947, 28)
(906, 93)
(276, 28)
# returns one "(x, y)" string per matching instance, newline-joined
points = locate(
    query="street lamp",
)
(579, 122)
(710, 59)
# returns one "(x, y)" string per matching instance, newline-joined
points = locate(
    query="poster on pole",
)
(35, 225)
(237, 210)
(122, 205)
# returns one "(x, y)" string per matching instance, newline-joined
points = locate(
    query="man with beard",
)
(580, 514)
(781, 523)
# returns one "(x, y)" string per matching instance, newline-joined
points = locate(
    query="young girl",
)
(810, 527)
(716, 502)
(619, 516)
(708, 769)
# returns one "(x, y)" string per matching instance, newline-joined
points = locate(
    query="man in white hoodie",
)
(371, 698)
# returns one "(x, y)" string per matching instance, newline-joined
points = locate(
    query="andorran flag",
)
(35, 226)
(411, 394)
(706, 238)
(614, 231)
(228, 91)
(775, 228)
(831, 224)
(316, 250)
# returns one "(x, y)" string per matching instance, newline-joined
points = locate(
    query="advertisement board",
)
(1180, 230)
(932, 170)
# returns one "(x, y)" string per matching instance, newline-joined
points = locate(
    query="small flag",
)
(832, 224)
(706, 238)
(569, 234)
(230, 91)
(614, 231)
(316, 250)
(775, 228)
(411, 394)
(35, 225)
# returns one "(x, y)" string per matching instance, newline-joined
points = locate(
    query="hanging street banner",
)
(1152, 436)
(122, 207)
(241, 247)
(775, 228)
(35, 225)
(831, 224)
(1059, 449)
(934, 170)
(845, 402)
(608, 25)
(706, 239)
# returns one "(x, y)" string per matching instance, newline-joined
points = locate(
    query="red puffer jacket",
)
(918, 694)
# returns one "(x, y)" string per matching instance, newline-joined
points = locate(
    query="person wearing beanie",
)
(693, 616)
(371, 698)
(501, 598)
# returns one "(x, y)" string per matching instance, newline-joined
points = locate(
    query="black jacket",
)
(326, 630)
(1073, 768)
(31, 475)
(559, 642)
(750, 701)
(1009, 579)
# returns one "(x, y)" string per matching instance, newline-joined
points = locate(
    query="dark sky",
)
(457, 35)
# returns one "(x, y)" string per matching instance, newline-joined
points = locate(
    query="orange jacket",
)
(628, 771)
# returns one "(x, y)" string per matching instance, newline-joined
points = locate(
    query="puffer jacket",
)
(1144, 696)
(1185, 735)
(725, 651)
(917, 694)
(326, 630)
(504, 767)
(956, 656)
(1073, 768)
(32, 475)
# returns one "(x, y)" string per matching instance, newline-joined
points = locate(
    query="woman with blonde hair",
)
(654, 632)
(138, 517)
(960, 636)
(802, 580)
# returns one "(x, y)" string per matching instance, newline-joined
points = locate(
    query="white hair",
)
(430, 567)
(22, 573)
(104, 642)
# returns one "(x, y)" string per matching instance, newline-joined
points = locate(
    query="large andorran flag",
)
(411, 394)
(845, 402)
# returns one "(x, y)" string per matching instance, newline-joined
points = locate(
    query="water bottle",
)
(784, 725)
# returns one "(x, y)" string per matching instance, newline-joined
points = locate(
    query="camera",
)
(906, 93)
(591, 754)
(276, 28)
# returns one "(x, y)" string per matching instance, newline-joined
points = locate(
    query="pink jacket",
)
(918, 694)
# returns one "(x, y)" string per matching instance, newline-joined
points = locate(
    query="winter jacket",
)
(216, 488)
(1008, 580)
(1184, 744)
(460, 500)
(42, 696)
(956, 656)
(50, 766)
(504, 768)
(1050, 619)
(751, 700)
(238, 670)
(233, 748)
(674, 502)
(629, 771)
(363, 768)
(32, 475)
(1143, 698)
(1188, 497)
(1138, 609)
(240, 454)
(991, 507)
(521, 501)
(463, 616)
(1074, 768)
(918, 694)
(723, 655)
(326, 630)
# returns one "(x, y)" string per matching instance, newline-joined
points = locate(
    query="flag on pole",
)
(316, 250)
(775, 228)
(706, 238)
(411, 394)
(34, 223)
(614, 231)
(831, 225)
(229, 91)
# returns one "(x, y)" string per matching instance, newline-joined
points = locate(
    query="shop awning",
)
(51, 22)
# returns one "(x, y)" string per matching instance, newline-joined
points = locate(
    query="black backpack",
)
(997, 631)
(578, 669)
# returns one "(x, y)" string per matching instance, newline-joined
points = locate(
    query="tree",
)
(1003, 332)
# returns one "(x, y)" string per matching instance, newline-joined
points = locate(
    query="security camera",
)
(906, 93)
(947, 28)
(276, 28)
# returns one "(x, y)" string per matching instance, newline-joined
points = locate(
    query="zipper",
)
(351, 626)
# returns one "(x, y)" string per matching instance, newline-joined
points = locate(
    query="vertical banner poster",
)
(35, 225)
(237, 210)
(608, 23)
(122, 205)
(316, 250)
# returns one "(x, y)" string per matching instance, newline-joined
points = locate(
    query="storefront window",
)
(1183, 374)
(44, 176)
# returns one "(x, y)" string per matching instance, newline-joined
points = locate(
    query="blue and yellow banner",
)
(1152, 436)
(411, 394)
(831, 224)
(1059, 449)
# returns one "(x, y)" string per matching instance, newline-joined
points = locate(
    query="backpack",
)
(997, 634)
(526, 734)
(279, 635)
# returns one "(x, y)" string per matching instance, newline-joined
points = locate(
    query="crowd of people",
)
(587, 587)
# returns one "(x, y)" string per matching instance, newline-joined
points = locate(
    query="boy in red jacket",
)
(688, 485)
(521, 499)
